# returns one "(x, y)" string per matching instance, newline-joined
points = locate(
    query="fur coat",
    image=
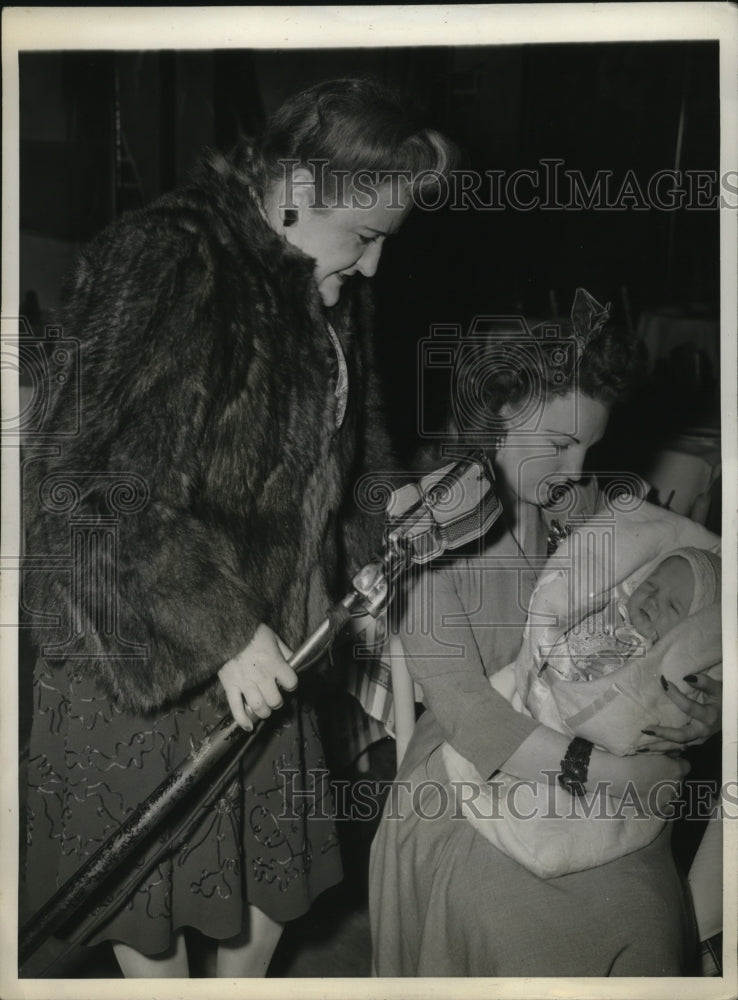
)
(207, 381)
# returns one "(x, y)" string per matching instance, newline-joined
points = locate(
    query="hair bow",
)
(588, 316)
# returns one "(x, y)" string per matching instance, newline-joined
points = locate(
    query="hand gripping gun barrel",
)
(447, 509)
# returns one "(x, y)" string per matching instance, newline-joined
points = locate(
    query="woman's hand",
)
(705, 718)
(250, 679)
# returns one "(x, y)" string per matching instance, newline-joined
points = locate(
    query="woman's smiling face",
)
(549, 446)
(346, 240)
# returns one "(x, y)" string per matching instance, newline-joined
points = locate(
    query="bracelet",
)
(575, 766)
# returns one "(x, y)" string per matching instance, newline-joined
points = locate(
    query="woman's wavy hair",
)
(351, 125)
(525, 367)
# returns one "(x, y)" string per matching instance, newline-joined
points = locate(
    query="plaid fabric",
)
(366, 716)
(370, 682)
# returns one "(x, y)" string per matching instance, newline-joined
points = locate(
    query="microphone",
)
(448, 508)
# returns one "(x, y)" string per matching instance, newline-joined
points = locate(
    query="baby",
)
(529, 821)
(684, 582)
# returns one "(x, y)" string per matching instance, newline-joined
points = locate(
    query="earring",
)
(290, 217)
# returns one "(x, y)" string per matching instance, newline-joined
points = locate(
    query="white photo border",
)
(49, 28)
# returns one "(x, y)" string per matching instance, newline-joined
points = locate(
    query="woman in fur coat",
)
(196, 518)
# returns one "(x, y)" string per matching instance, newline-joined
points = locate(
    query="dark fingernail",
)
(648, 732)
(643, 750)
(690, 678)
(664, 683)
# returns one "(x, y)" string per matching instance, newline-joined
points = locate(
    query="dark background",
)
(103, 132)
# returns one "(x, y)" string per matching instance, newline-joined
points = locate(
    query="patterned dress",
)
(260, 842)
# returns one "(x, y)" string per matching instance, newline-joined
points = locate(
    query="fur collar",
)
(234, 196)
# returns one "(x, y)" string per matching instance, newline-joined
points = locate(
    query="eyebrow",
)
(551, 430)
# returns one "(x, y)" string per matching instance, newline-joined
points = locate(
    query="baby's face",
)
(663, 599)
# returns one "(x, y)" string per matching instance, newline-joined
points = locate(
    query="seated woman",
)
(600, 678)
(442, 901)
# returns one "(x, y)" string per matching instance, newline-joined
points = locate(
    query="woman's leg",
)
(171, 964)
(250, 952)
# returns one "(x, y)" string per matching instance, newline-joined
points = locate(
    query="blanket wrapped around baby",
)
(542, 826)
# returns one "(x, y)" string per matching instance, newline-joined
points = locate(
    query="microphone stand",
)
(226, 737)
(406, 542)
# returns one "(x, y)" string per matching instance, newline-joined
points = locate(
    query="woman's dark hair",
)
(350, 125)
(606, 369)
(522, 368)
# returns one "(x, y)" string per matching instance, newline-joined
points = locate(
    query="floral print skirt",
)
(268, 839)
